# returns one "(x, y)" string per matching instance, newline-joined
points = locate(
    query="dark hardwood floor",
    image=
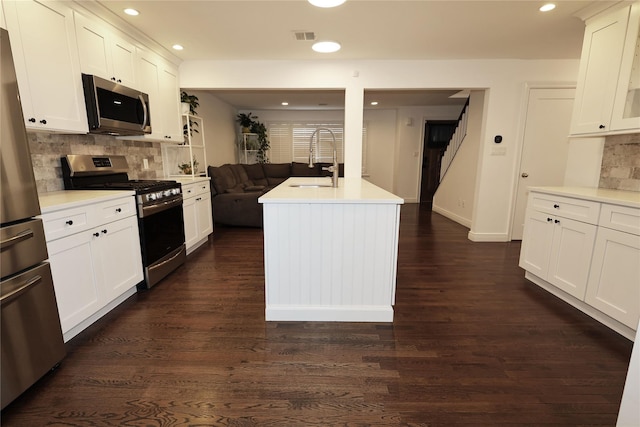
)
(472, 343)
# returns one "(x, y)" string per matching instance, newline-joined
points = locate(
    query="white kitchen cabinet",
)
(94, 251)
(198, 218)
(583, 245)
(159, 79)
(103, 53)
(604, 78)
(626, 107)
(614, 279)
(47, 65)
(556, 249)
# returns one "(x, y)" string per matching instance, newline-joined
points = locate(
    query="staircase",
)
(455, 142)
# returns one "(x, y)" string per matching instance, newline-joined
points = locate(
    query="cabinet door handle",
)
(601, 127)
(32, 120)
(43, 121)
(96, 234)
(104, 231)
(118, 210)
(524, 175)
(556, 206)
(69, 222)
(549, 219)
(557, 221)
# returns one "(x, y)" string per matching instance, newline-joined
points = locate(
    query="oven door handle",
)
(162, 206)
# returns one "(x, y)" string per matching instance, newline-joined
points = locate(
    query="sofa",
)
(235, 188)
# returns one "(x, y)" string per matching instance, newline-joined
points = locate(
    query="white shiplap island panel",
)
(330, 253)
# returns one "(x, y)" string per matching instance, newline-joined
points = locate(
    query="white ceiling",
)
(366, 29)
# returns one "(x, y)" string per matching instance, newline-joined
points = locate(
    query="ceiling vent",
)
(304, 35)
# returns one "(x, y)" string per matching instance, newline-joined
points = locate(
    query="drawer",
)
(621, 218)
(113, 210)
(202, 188)
(67, 222)
(195, 188)
(189, 190)
(566, 207)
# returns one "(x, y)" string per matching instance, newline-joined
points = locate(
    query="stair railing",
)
(455, 142)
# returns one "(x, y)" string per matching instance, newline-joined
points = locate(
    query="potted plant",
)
(189, 167)
(246, 121)
(189, 103)
(263, 142)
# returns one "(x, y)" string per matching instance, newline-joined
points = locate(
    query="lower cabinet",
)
(556, 249)
(614, 281)
(592, 265)
(198, 218)
(93, 269)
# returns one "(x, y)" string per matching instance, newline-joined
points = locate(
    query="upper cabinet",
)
(104, 54)
(45, 53)
(159, 79)
(607, 98)
(626, 108)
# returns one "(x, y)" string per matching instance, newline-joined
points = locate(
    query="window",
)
(289, 142)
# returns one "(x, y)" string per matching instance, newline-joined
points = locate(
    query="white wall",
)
(455, 196)
(505, 80)
(219, 128)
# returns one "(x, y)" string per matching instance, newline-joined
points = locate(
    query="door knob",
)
(524, 174)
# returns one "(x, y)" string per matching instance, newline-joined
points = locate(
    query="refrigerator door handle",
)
(26, 234)
(16, 293)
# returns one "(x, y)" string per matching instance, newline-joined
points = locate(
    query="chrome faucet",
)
(333, 169)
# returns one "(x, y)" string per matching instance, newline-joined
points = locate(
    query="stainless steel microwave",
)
(114, 109)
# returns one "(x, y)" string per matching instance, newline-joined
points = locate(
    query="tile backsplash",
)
(46, 150)
(621, 162)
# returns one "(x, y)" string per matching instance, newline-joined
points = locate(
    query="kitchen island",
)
(330, 253)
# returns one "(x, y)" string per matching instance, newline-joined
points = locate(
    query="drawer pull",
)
(96, 234)
(557, 221)
(118, 210)
(556, 206)
(549, 219)
(26, 234)
(104, 231)
(69, 222)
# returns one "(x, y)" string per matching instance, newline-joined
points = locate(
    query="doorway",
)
(544, 147)
(437, 134)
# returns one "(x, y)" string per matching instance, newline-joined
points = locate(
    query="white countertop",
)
(350, 190)
(57, 200)
(603, 195)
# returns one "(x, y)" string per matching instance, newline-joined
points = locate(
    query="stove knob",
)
(151, 196)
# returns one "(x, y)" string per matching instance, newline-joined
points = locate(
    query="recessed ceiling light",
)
(177, 47)
(326, 3)
(131, 12)
(326, 47)
(374, 102)
(547, 7)
(285, 103)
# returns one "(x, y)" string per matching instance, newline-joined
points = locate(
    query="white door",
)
(545, 146)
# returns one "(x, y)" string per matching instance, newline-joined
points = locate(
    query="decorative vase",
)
(185, 107)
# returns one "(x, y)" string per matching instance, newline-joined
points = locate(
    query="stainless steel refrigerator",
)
(31, 339)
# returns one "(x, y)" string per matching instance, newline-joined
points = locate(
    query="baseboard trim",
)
(452, 216)
(313, 313)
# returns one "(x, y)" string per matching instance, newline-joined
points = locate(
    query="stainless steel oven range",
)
(159, 206)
